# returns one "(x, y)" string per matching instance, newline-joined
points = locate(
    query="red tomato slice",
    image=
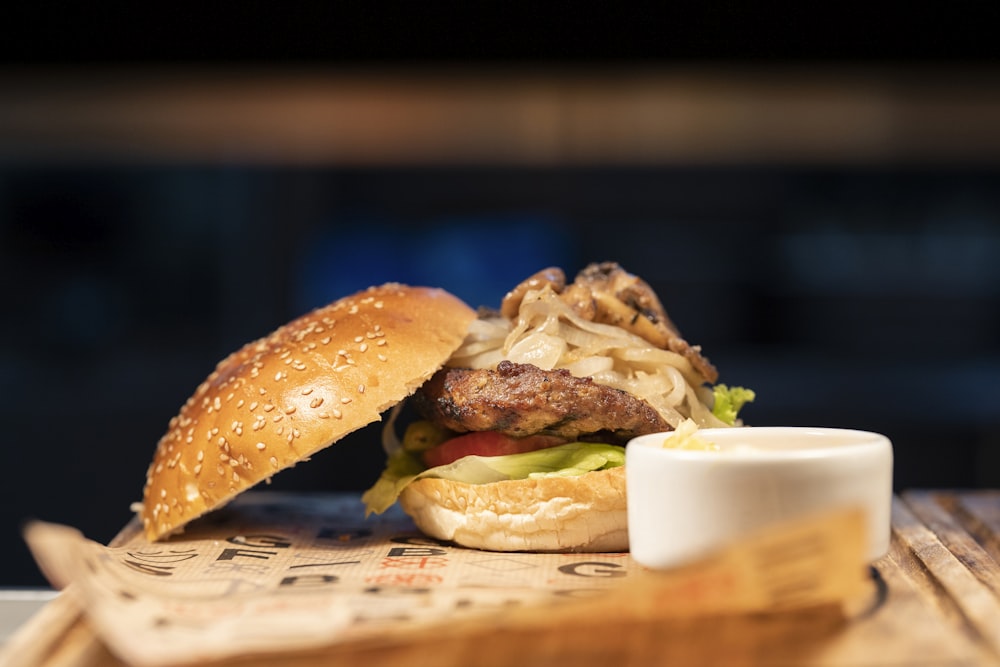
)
(486, 443)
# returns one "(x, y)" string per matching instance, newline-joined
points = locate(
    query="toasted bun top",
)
(282, 398)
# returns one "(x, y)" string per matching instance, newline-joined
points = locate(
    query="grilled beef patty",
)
(522, 400)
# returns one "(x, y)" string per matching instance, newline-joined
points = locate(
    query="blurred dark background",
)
(824, 222)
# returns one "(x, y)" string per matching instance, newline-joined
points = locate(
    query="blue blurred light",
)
(478, 258)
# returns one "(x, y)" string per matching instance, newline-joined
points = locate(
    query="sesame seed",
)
(269, 407)
(316, 402)
(363, 347)
(230, 397)
(277, 376)
(253, 406)
(280, 430)
(220, 470)
(290, 409)
(163, 493)
(261, 445)
(278, 417)
(358, 339)
(361, 389)
(345, 400)
(325, 340)
(240, 403)
(223, 456)
(236, 476)
(262, 391)
(201, 456)
(274, 462)
(324, 415)
(307, 391)
(381, 342)
(233, 463)
(197, 469)
(337, 413)
(254, 372)
(382, 357)
(379, 304)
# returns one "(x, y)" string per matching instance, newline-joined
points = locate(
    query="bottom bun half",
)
(572, 514)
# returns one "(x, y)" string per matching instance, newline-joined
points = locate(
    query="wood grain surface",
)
(934, 600)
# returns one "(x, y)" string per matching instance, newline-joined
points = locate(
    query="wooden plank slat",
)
(908, 629)
(980, 514)
(931, 534)
(963, 524)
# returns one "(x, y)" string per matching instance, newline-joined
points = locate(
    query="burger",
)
(519, 445)
(521, 413)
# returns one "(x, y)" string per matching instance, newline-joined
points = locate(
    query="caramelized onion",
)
(548, 333)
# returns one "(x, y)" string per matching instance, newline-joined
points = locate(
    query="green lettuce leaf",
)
(569, 460)
(729, 401)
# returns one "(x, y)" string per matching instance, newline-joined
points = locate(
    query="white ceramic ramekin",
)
(683, 504)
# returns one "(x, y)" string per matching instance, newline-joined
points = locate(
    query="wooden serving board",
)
(935, 601)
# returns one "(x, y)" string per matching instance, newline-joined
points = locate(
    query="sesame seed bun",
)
(280, 399)
(584, 513)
